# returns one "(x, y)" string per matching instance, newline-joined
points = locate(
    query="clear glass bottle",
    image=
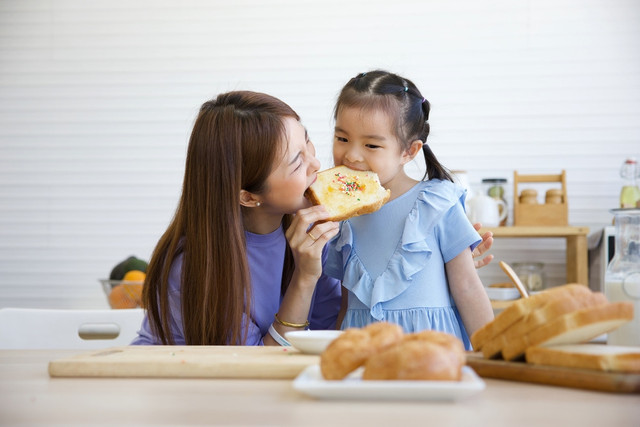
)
(495, 189)
(630, 193)
(622, 279)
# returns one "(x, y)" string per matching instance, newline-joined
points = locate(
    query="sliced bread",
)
(572, 299)
(516, 311)
(587, 356)
(573, 328)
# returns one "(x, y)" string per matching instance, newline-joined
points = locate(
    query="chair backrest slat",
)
(31, 328)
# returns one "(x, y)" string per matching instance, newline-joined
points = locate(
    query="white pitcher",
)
(486, 210)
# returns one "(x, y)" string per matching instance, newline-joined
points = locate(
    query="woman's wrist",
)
(277, 337)
(304, 281)
(294, 325)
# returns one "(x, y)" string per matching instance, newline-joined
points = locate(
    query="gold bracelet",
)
(291, 325)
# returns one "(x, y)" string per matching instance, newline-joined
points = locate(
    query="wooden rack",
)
(540, 214)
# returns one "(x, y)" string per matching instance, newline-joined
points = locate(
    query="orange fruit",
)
(134, 276)
(123, 296)
(128, 294)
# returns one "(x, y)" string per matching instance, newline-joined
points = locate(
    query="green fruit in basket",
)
(131, 263)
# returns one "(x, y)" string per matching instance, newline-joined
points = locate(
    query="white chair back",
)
(31, 328)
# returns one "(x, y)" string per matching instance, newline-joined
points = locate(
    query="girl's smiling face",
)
(364, 140)
(296, 171)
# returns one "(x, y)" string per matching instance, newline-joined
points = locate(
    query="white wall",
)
(97, 100)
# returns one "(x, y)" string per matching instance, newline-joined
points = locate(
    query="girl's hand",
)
(307, 239)
(484, 246)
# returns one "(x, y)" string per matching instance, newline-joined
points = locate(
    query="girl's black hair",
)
(402, 101)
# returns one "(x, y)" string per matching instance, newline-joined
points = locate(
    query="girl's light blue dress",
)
(392, 261)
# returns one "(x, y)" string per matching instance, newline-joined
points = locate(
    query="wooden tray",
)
(586, 379)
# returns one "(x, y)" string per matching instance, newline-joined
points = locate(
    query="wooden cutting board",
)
(186, 362)
(586, 379)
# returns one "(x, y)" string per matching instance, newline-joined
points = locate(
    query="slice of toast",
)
(587, 356)
(346, 193)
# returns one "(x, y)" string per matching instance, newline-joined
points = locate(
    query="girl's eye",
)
(373, 146)
(341, 139)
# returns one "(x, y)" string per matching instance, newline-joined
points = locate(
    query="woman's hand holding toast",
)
(307, 239)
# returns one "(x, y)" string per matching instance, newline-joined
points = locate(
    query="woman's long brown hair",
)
(236, 140)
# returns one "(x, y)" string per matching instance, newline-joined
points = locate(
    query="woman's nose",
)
(314, 165)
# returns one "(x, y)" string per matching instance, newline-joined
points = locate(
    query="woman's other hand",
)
(484, 246)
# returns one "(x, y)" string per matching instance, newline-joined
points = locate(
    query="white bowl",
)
(311, 342)
(498, 294)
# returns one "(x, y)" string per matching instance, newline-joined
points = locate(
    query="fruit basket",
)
(123, 293)
(123, 288)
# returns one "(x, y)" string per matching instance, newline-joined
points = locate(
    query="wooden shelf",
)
(577, 251)
(535, 231)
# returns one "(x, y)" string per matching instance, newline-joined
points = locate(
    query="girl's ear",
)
(412, 151)
(249, 200)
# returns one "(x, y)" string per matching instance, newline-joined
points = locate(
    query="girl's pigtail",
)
(434, 169)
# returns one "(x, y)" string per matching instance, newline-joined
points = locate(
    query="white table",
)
(29, 396)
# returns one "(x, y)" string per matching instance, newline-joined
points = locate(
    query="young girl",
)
(235, 266)
(411, 262)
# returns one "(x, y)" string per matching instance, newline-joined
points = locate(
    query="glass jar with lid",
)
(495, 188)
(531, 274)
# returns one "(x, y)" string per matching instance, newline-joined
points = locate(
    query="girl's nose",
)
(352, 155)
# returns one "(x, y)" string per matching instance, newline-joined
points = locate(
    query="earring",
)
(258, 204)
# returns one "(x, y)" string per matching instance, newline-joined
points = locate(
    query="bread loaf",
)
(387, 353)
(570, 299)
(426, 355)
(353, 347)
(556, 311)
(517, 311)
(565, 315)
(415, 360)
(582, 325)
(346, 193)
(587, 356)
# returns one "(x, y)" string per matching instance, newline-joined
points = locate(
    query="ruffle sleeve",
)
(412, 254)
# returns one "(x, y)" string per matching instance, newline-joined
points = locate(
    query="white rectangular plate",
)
(310, 382)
